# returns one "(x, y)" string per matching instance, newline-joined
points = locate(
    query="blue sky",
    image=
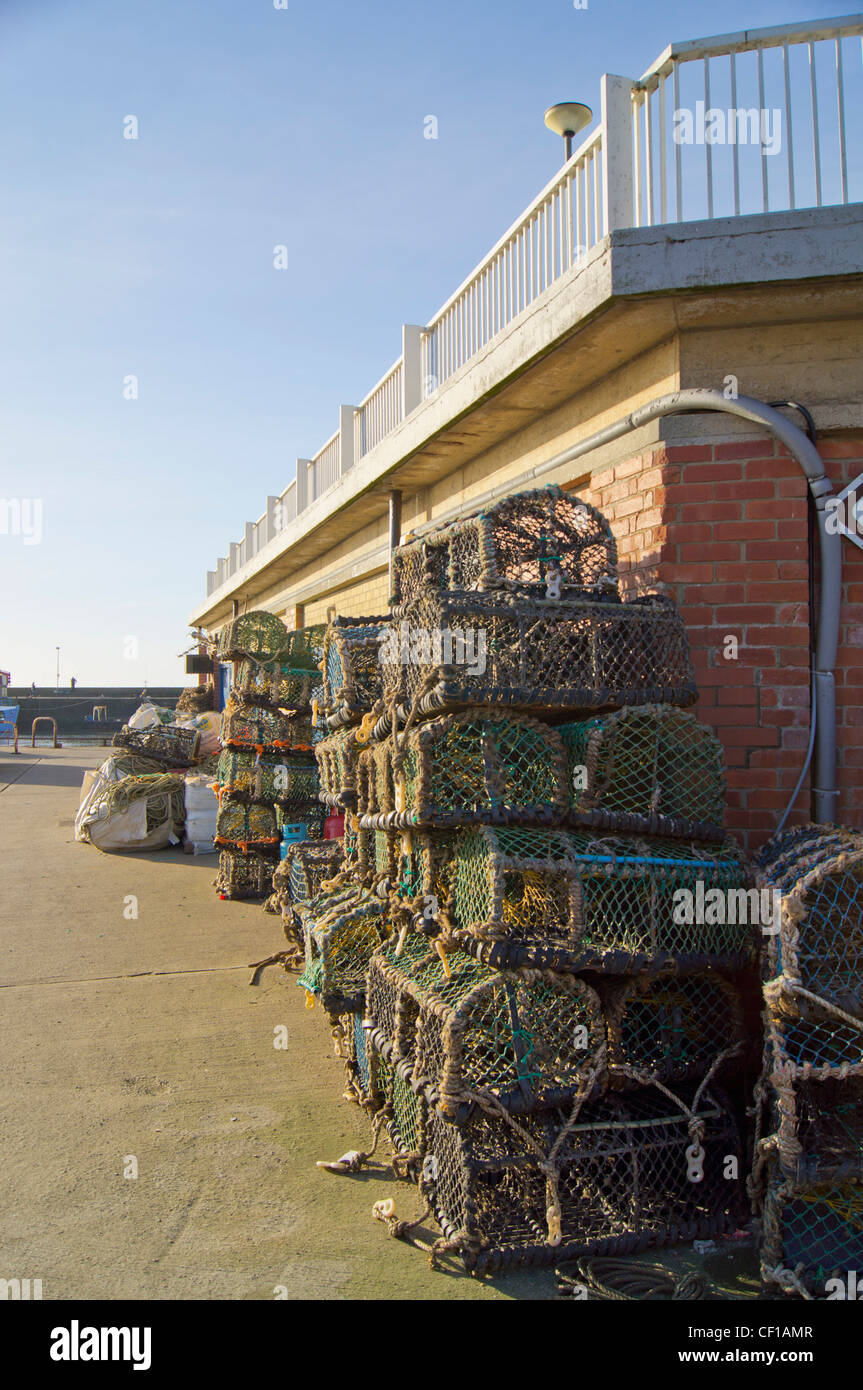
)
(154, 257)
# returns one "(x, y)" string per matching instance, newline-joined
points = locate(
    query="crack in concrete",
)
(132, 975)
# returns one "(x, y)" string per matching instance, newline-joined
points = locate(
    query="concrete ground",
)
(143, 1038)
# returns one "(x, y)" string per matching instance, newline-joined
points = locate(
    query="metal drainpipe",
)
(395, 528)
(801, 449)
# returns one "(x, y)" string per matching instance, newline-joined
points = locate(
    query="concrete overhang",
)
(634, 290)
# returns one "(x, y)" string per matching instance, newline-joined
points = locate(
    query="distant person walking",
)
(73, 682)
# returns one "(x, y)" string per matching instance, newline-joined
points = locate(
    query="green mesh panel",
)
(259, 635)
(244, 875)
(244, 824)
(673, 1027)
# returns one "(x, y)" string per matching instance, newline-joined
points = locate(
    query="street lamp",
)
(58, 668)
(567, 118)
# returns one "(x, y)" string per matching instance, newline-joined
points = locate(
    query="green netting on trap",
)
(652, 768)
(351, 668)
(816, 1129)
(464, 769)
(377, 857)
(674, 1027)
(448, 652)
(582, 900)
(305, 867)
(618, 1182)
(814, 963)
(259, 635)
(300, 820)
(254, 726)
(337, 757)
(518, 544)
(525, 1038)
(267, 776)
(281, 686)
(196, 699)
(245, 825)
(244, 875)
(168, 744)
(342, 928)
(811, 1234)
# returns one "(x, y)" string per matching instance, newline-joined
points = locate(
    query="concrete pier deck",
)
(143, 1038)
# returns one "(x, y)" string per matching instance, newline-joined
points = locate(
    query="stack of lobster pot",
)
(267, 780)
(342, 923)
(808, 1171)
(546, 1020)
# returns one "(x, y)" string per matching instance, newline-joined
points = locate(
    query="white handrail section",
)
(755, 121)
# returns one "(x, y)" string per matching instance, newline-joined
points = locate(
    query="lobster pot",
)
(461, 649)
(674, 1027)
(581, 900)
(815, 1230)
(267, 776)
(465, 769)
(254, 726)
(305, 647)
(465, 1031)
(196, 699)
(814, 963)
(425, 869)
(622, 1181)
(351, 668)
(258, 635)
(651, 768)
(168, 744)
(244, 875)
(245, 825)
(342, 928)
(817, 1129)
(337, 757)
(515, 544)
(377, 855)
(368, 1073)
(300, 820)
(285, 687)
(305, 867)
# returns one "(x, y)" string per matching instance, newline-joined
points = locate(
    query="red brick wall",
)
(722, 529)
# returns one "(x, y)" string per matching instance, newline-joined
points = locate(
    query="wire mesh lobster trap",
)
(582, 900)
(613, 1177)
(342, 928)
(267, 776)
(351, 668)
(552, 657)
(472, 1036)
(244, 875)
(255, 726)
(337, 757)
(271, 683)
(245, 825)
(519, 543)
(298, 821)
(306, 867)
(377, 857)
(258, 635)
(464, 769)
(168, 744)
(651, 768)
(811, 1235)
(673, 1027)
(814, 962)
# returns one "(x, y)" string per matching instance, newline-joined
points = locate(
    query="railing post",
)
(616, 152)
(234, 558)
(303, 466)
(346, 438)
(412, 367)
(221, 570)
(272, 503)
(212, 581)
(250, 538)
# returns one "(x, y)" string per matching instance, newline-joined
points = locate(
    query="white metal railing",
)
(750, 122)
(779, 104)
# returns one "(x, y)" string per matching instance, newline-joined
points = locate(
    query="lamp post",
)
(58, 668)
(567, 118)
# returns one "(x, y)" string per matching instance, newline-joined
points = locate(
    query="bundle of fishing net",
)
(342, 927)
(258, 635)
(267, 776)
(197, 699)
(582, 900)
(351, 669)
(651, 768)
(337, 757)
(672, 1027)
(813, 964)
(169, 744)
(258, 727)
(463, 769)
(116, 766)
(808, 1184)
(614, 1174)
(517, 545)
(473, 1038)
(275, 684)
(244, 875)
(245, 825)
(139, 812)
(454, 650)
